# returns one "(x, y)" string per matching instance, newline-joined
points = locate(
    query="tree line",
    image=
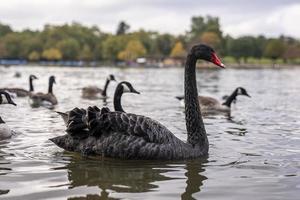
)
(78, 42)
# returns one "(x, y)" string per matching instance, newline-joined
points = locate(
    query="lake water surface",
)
(254, 154)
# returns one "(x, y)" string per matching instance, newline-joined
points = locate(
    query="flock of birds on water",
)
(122, 135)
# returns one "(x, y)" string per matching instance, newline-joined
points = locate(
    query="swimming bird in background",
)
(130, 136)
(122, 87)
(212, 105)
(5, 131)
(20, 92)
(44, 99)
(93, 92)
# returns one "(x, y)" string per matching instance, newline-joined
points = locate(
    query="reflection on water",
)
(254, 152)
(122, 176)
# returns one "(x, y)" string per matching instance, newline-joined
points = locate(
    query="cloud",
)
(237, 17)
(278, 22)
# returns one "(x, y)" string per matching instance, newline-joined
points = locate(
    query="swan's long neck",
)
(117, 99)
(194, 123)
(105, 87)
(50, 88)
(230, 99)
(30, 85)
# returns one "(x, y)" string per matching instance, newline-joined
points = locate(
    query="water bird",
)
(44, 99)
(5, 131)
(130, 136)
(212, 105)
(5, 98)
(92, 92)
(20, 92)
(122, 87)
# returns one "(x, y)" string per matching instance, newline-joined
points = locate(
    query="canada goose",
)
(130, 136)
(122, 87)
(5, 98)
(5, 131)
(20, 92)
(91, 92)
(44, 99)
(212, 105)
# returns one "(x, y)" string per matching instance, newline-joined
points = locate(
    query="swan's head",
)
(127, 87)
(207, 53)
(32, 77)
(52, 79)
(5, 98)
(111, 78)
(242, 91)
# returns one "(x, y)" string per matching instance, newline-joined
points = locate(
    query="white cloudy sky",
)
(238, 17)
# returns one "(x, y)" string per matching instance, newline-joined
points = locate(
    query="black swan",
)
(44, 99)
(122, 87)
(91, 92)
(130, 136)
(212, 105)
(5, 131)
(20, 92)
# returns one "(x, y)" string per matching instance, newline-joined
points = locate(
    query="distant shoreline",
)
(199, 65)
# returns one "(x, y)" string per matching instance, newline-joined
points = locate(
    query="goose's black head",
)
(242, 91)
(1, 121)
(127, 87)
(5, 95)
(111, 78)
(207, 53)
(52, 79)
(32, 77)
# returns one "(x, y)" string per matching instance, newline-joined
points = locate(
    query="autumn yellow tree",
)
(211, 39)
(86, 53)
(133, 50)
(34, 56)
(178, 51)
(52, 54)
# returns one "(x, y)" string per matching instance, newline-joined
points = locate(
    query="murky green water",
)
(255, 154)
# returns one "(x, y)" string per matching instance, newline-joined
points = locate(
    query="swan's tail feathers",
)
(179, 97)
(97, 120)
(77, 121)
(64, 116)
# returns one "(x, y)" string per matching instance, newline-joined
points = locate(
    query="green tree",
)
(112, 45)
(165, 42)
(3, 52)
(122, 28)
(70, 49)
(86, 53)
(12, 44)
(274, 49)
(200, 25)
(4, 29)
(242, 47)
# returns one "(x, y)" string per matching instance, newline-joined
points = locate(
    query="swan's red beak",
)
(216, 60)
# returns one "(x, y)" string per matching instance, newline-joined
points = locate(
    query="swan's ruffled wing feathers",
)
(77, 122)
(104, 122)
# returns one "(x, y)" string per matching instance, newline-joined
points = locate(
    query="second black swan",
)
(122, 87)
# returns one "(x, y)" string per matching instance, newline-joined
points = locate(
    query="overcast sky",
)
(237, 17)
